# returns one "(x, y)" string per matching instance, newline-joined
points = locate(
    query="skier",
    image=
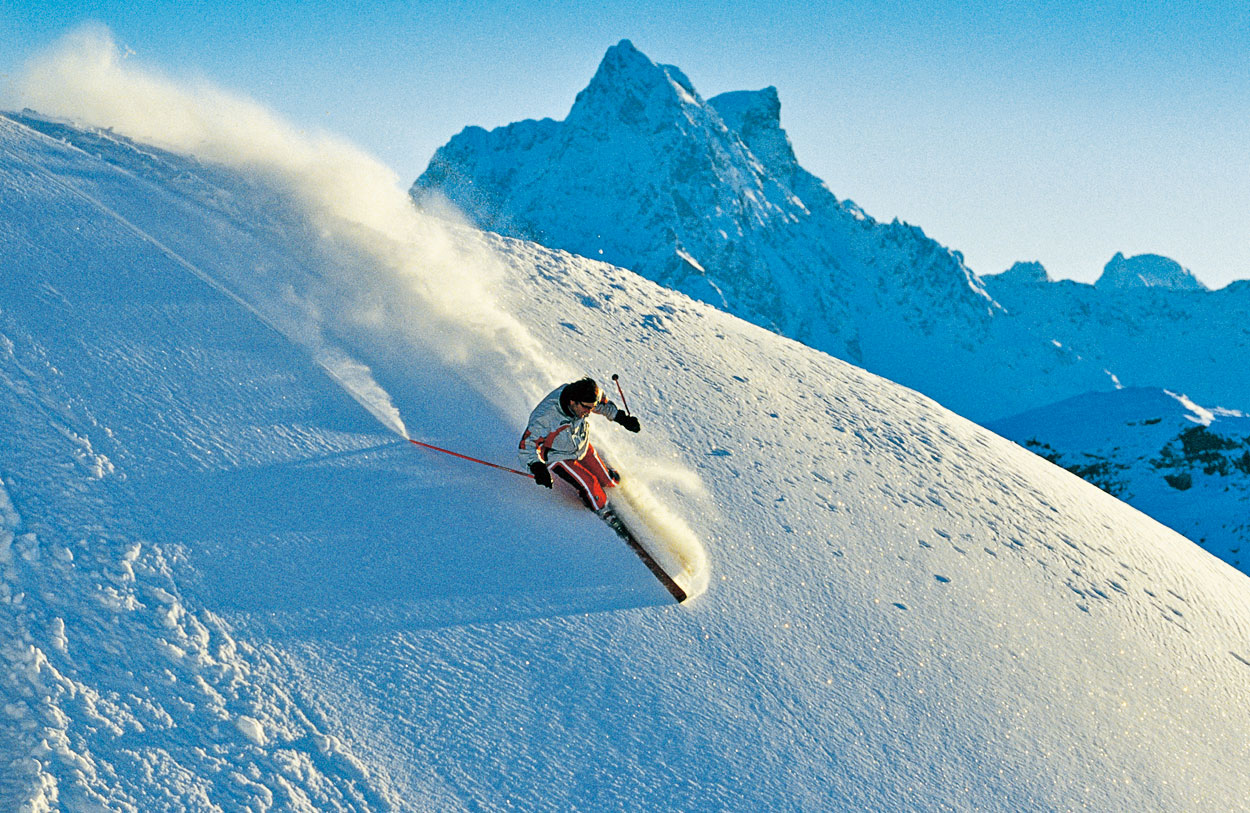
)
(557, 439)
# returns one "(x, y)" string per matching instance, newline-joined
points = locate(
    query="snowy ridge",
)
(1148, 271)
(905, 611)
(1176, 337)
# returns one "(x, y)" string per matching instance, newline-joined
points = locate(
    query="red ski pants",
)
(588, 475)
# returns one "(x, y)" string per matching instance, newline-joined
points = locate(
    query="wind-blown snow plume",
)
(432, 286)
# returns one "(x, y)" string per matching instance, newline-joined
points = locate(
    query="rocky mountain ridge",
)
(1146, 334)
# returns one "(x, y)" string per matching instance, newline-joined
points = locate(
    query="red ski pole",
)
(617, 379)
(466, 457)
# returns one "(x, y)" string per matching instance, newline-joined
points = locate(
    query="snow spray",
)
(357, 380)
(396, 273)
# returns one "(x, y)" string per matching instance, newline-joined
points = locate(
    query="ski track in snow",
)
(352, 376)
(224, 585)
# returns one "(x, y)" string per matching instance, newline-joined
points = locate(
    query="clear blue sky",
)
(1054, 131)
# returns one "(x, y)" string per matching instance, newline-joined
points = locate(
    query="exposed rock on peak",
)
(755, 115)
(629, 89)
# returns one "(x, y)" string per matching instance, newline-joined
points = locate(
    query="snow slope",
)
(229, 583)
(1183, 464)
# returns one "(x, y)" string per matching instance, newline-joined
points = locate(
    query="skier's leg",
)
(587, 485)
(606, 476)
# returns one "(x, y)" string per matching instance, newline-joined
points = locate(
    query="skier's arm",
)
(614, 413)
(607, 409)
(533, 449)
(530, 450)
(532, 453)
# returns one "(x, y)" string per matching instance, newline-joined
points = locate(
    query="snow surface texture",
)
(1187, 466)
(229, 584)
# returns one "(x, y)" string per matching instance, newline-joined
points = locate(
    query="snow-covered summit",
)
(637, 162)
(1120, 273)
(634, 91)
(1147, 271)
(707, 197)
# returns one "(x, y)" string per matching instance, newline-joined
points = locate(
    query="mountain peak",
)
(754, 108)
(1025, 273)
(1147, 271)
(623, 59)
(707, 197)
(628, 87)
(756, 116)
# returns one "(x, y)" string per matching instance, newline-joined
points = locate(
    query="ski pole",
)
(616, 378)
(466, 457)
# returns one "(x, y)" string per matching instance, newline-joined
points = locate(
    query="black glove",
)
(628, 421)
(542, 475)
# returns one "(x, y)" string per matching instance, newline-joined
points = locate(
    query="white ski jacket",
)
(553, 434)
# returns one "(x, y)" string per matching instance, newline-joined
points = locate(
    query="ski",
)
(622, 530)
